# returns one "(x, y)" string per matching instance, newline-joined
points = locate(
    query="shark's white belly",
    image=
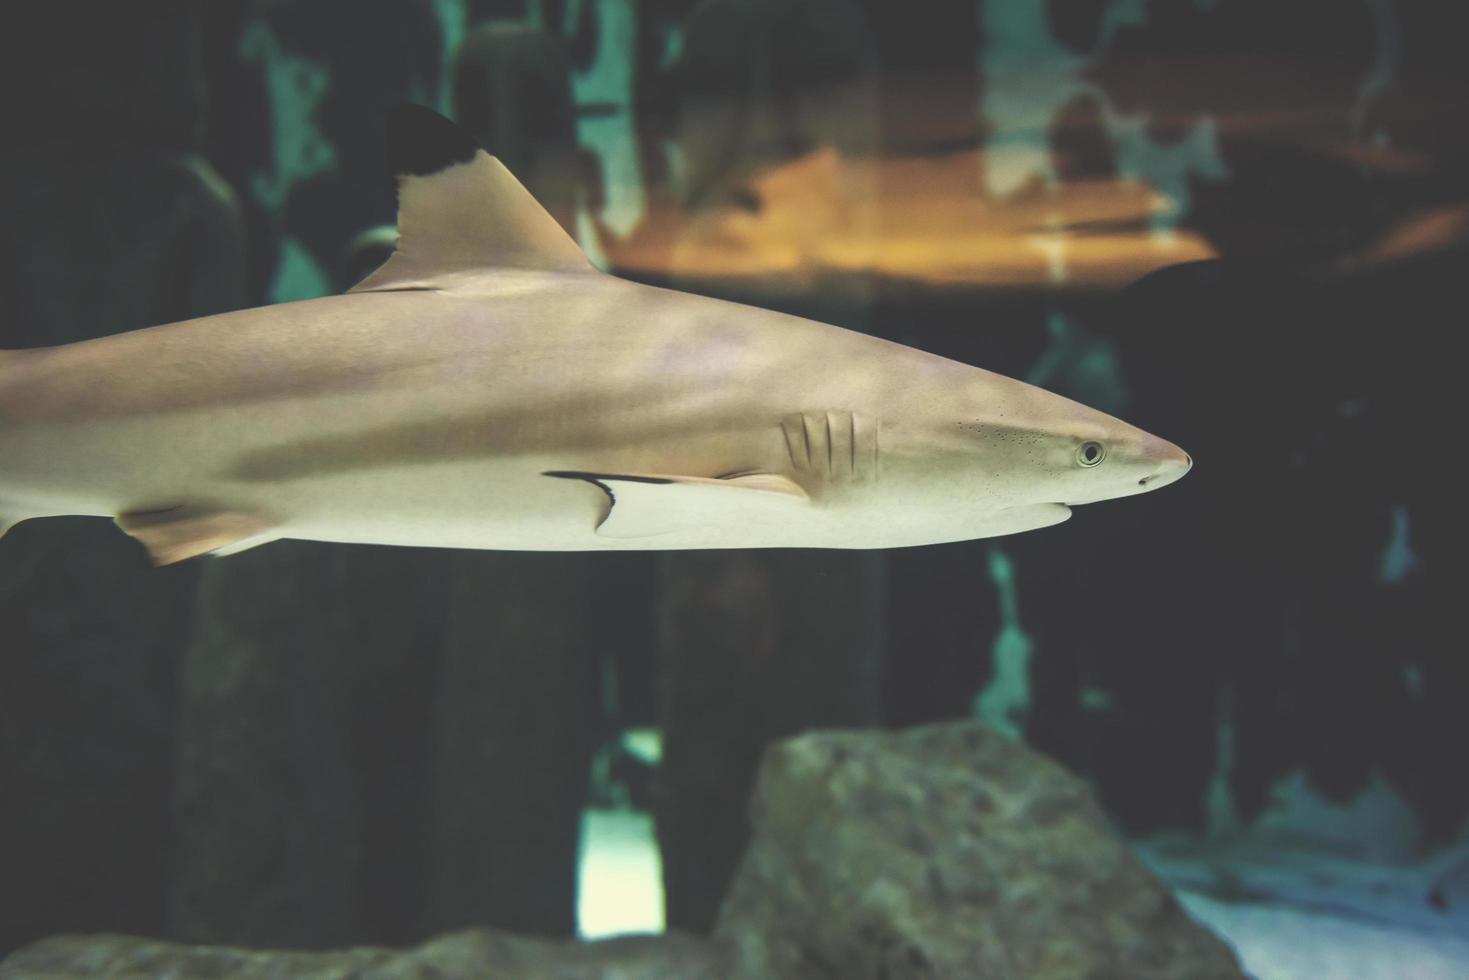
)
(513, 505)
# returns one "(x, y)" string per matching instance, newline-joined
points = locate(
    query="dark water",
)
(1241, 225)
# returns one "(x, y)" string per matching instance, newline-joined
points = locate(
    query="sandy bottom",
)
(1289, 916)
(1282, 942)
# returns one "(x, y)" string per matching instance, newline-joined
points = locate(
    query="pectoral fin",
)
(178, 533)
(647, 506)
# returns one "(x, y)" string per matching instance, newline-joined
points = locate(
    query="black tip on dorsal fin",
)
(421, 142)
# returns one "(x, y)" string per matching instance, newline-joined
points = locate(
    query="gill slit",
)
(829, 437)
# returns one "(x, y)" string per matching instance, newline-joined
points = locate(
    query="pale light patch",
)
(453, 18)
(609, 81)
(1221, 812)
(1030, 76)
(1167, 167)
(645, 743)
(1377, 824)
(1004, 704)
(586, 233)
(619, 875)
(297, 274)
(296, 87)
(1386, 62)
(1399, 561)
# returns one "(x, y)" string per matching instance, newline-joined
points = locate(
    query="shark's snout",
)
(1170, 463)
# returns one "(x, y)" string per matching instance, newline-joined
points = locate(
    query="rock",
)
(946, 851)
(474, 954)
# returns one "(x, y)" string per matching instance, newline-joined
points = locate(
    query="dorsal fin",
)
(461, 212)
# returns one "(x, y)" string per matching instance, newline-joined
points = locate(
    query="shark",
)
(488, 387)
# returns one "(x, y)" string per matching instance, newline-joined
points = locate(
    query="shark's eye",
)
(1091, 453)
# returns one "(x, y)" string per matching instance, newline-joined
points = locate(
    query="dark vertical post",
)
(112, 222)
(513, 722)
(756, 645)
(266, 761)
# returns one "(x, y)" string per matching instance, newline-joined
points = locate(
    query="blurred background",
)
(1240, 224)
